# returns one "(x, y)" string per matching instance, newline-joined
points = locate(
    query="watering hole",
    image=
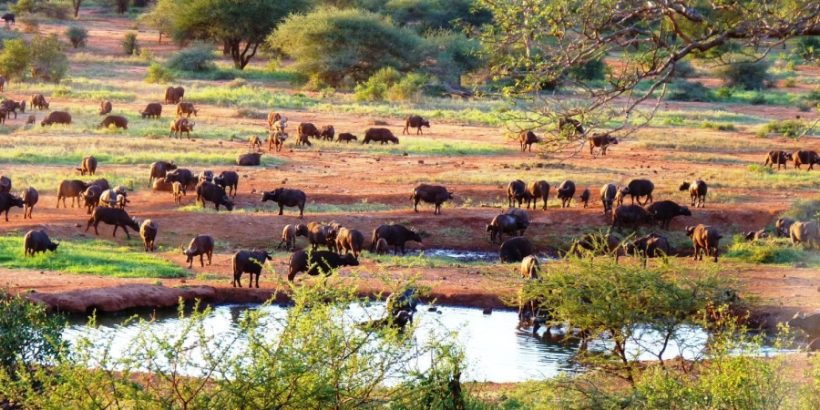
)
(495, 350)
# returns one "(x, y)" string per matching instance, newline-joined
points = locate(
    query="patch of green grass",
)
(310, 207)
(770, 251)
(418, 145)
(95, 257)
(422, 261)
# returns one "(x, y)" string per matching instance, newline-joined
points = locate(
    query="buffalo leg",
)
(301, 210)
(96, 232)
(280, 209)
(115, 230)
(7, 215)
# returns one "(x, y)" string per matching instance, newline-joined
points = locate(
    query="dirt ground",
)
(344, 177)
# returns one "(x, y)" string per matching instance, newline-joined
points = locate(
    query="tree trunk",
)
(241, 56)
(76, 4)
(226, 48)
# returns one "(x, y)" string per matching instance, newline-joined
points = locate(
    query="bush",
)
(789, 128)
(55, 10)
(15, 59)
(684, 69)
(48, 60)
(334, 46)
(28, 335)
(77, 36)
(591, 70)
(718, 126)
(769, 251)
(450, 56)
(375, 88)
(158, 74)
(408, 88)
(747, 75)
(315, 347)
(199, 58)
(130, 45)
(682, 90)
(30, 23)
(808, 48)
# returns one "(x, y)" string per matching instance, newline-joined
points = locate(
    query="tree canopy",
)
(535, 43)
(333, 45)
(241, 26)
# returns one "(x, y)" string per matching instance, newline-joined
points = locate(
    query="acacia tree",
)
(241, 26)
(76, 5)
(535, 43)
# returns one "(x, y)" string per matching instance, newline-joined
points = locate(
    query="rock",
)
(487, 311)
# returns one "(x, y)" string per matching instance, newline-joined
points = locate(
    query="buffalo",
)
(159, 169)
(72, 188)
(228, 180)
(201, 245)
(346, 137)
(249, 262)
(697, 191)
(118, 121)
(250, 159)
(664, 211)
(537, 190)
(88, 166)
(105, 107)
(805, 233)
(289, 234)
(349, 241)
(30, 196)
(8, 201)
(39, 102)
(779, 158)
(327, 133)
(381, 135)
(305, 131)
(152, 110)
(565, 193)
(322, 234)
(526, 139)
(173, 95)
(505, 224)
(517, 192)
(186, 108)
(636, 188)
(56, 117)
(182, 175)
(630, 215)
(417, 122)
(515, 249)
(210, 192)
(38, 241)
(286, 197)
(585, 197)
(318, 262)
(91, 196)
(396, 236)
(806, 157)
(705, 240)
(181, 126)
(148, 233)
(431, 194)
(601, 141)
(112, 216)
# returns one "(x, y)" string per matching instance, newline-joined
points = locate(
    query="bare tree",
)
(537, 43)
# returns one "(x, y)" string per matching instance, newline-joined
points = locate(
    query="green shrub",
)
(375, 88)
(682, 90)
(684, 69)
(789, 83)
(746, 75)
(158, 74)
(768, 251)
(808, 48)
(51, 9)
(48, 60)
(29, 335)
(718, 126)
(789, 128)
(200, 58)
(337, 47)
(130, 45)
(15, 59)
(77, 36)
(591, 70)
(409, 88)
(758, 99)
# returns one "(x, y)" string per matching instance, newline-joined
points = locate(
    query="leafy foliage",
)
(158, 74)
(319, 357)
(199, 58)
(77, 36)
(747, 75)
(130, 46)
(48, 60)
(336, 46)
(682, 90)
(52, 9)
(15, 59)
(28, 336)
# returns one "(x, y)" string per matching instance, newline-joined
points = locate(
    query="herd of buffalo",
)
(107, 204)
